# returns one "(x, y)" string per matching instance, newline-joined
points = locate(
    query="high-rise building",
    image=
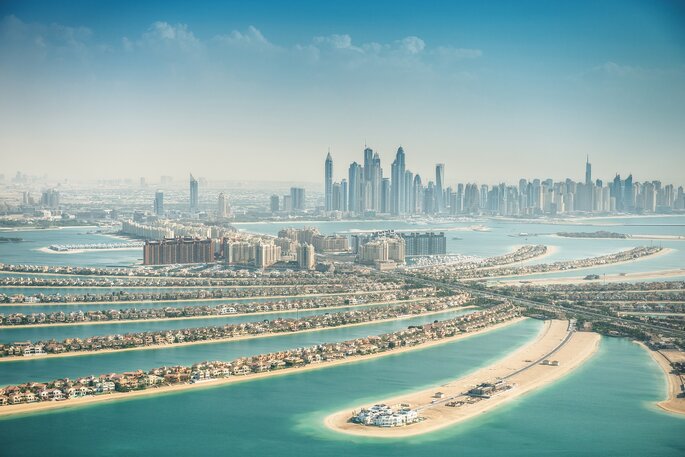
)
(266, 254)
(397, 186)
(287, 203)
(178, 250)
(386, 196)
(439, 184)
(376, 182)
(343, 190)
(224, 208)
(159, 203)
(337, 197)
(628, 194)
(50, 199)
(417, 198)
(588, 171)
(617, 192)
(306, 257)
(429, 243)
(297, 198)
(368, 164)
(194, 195)
(328, 182)
(355, 188)
(274, 203)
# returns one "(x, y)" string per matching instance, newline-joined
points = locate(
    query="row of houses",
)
(211, 310)
(451, 272)
(165, 337)
(244, 366)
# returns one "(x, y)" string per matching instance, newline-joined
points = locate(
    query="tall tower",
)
(588, 171)
(159, 203)
(439, 190)
(194, 195)
(223, 208)
(397, 184)
(376, 181)
(355, 188)
(328, 182)
(368, 163)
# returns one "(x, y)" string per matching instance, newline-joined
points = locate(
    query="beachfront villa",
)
(383, 415)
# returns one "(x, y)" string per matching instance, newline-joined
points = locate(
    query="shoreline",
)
(27, 408)
(662, 252)
(672, 404)
(209, 316)
(577, 350)
(248, 286)
(615, 277)
(45, 250)
(225, 340)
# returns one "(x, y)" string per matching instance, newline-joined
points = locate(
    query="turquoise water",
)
(95, 364)
(606, 407)
(603, 408)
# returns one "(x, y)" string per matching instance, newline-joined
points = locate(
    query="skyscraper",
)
(397, 184)
(328, 182)
(588, 171)
(223, 209)
(194, 195)
(274, 203)
(159, 203)
(439, 190)
(297, 198)
(376, 181)
(368, 163)
(343, 190)
(355, 188)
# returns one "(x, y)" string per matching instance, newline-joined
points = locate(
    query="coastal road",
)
(537, 304)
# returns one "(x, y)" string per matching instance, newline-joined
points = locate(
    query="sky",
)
(261, 90)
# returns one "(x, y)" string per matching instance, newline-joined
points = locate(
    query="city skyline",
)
(518, 88)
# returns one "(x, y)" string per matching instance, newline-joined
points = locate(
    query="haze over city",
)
(495, 91)
(426, 228)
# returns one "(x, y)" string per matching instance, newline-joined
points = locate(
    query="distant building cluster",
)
(366, 192)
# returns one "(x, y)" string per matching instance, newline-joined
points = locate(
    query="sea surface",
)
(605, 408)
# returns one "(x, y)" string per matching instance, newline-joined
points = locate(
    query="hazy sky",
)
(261, 90)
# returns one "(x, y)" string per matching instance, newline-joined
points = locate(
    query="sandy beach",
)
(12, 410)
(579, 348)
(224, 340)
(661, 274)
(104, 288)
(672, 404)
(212, 316)
(81, 251)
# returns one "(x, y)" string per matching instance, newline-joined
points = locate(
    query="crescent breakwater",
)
(557, 351)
